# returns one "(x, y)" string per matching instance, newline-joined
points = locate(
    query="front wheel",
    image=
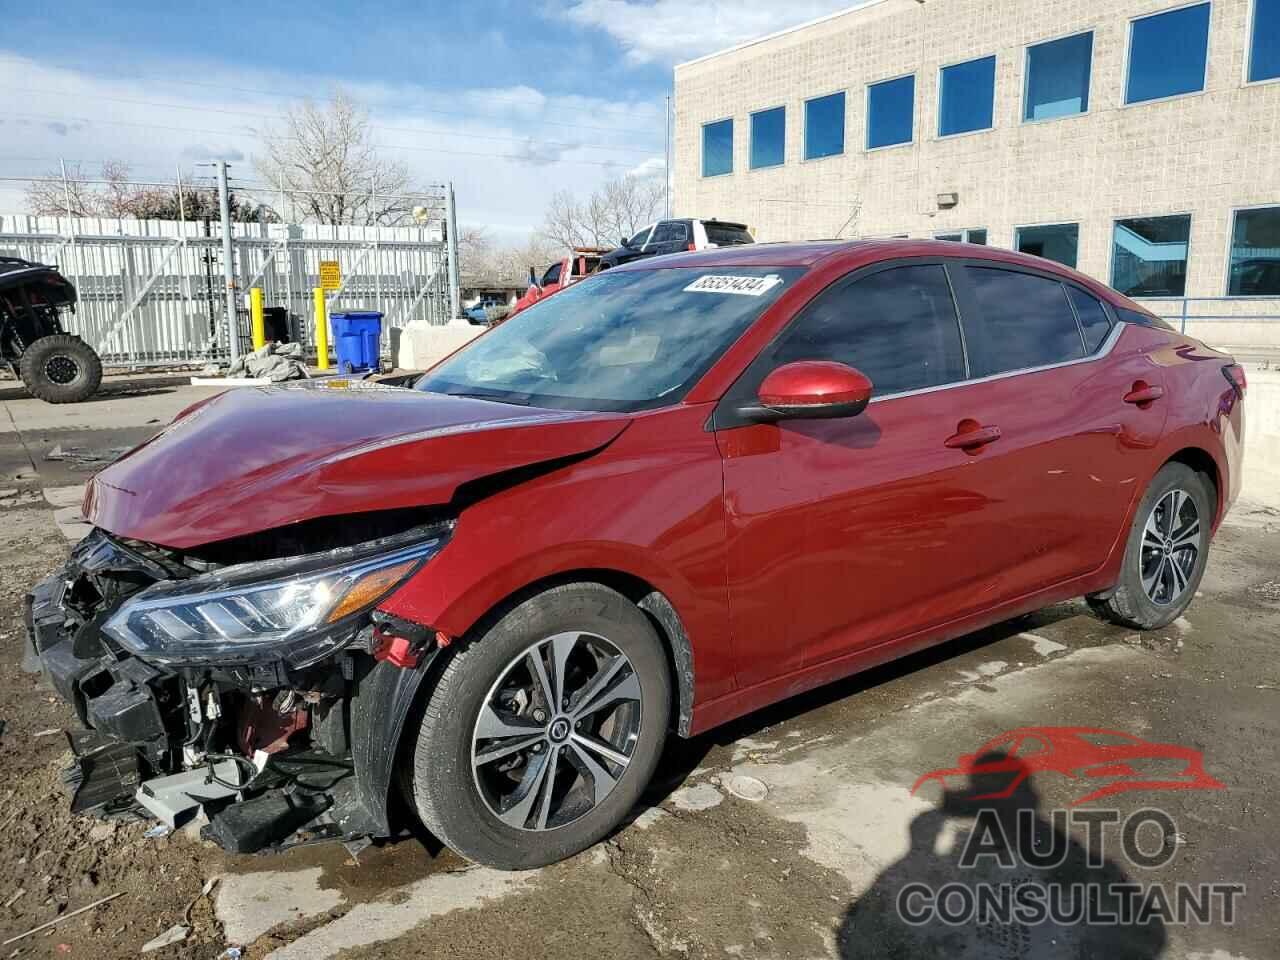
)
(61, 368)
(1166, 554)
(540, 736)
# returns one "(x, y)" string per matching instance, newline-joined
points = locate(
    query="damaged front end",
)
(250, 680)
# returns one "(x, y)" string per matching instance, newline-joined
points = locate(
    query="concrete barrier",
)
(423, 346)
(1262, 434)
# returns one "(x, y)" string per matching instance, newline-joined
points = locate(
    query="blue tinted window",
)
(1255, 254)
(1058, 78)
(768, 137)
(968, 93)
(1149, 256)
(717, 148)
(1058, 241)
(890, 109)
(824, 126)
(1167, 54)
(1264, 49)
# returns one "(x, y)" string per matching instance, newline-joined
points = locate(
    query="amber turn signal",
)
(369, 589)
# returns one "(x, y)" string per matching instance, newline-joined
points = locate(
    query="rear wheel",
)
(540, 736)
(61, 369)
(1166, 554)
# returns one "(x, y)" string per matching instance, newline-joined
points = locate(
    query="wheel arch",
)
(388, 697)
(1202, 462)
(656, 606)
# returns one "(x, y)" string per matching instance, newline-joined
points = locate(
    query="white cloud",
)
(669, 31)
(653, 167)
(505, 149)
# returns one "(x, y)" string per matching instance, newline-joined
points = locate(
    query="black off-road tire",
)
(61, 368)
(1128, 604)
(439, 781)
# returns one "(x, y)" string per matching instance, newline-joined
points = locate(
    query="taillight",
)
(1235, 376)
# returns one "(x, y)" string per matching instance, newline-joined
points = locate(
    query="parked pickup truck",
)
(582, 262)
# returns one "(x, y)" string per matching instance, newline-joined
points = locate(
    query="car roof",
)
(852, 254)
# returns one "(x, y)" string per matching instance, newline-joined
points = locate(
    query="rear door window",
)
(726, 234)
(667, 237)
(1142, 319)
(897, 326)
(1022, 321)
(1094, 323)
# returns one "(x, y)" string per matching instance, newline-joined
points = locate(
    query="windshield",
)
(622, 340)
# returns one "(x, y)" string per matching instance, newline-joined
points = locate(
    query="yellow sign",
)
(330, 275)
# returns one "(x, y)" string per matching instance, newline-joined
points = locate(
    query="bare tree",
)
(474, 250)
(617, 209)
(113, 194)
(487, 262)
(632, 203)
(324, 160)
(52, 195)
(514, 262)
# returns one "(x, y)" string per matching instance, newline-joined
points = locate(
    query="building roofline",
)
(867, 4)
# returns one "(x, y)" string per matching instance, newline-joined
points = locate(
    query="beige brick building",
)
(1198, 153)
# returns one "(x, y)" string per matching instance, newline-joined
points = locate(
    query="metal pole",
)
(666, 163)
(182, 206)
(455, 278)
(228, 268)
(71, 229)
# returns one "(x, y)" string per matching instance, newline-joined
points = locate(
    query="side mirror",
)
(625, 243)
(811, 390)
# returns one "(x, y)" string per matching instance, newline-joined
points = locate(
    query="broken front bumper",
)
(272, 757)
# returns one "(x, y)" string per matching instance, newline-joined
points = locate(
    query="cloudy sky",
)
(508, 99)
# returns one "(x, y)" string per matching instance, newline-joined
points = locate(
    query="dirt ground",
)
(50, 861)
(784, 834)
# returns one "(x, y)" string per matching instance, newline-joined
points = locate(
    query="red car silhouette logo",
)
(1079, 753)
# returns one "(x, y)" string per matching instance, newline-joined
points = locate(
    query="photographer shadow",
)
(1008, 844)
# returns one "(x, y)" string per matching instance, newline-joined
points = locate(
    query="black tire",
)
(1131, 604)
(61, 369)
(444, 788)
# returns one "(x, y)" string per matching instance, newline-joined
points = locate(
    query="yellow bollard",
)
(258, 324)
(322, 330)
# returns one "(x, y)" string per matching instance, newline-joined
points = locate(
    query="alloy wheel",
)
(1171, 544)
(556, 731)
(61, 369)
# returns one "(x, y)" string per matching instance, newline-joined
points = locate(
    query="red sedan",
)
(647, 505)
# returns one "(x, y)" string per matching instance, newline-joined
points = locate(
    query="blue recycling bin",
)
(356, 337)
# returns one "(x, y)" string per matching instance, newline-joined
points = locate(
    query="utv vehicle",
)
(56, 366)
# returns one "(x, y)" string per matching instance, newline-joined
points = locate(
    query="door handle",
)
(973, 437)
(1143, 393)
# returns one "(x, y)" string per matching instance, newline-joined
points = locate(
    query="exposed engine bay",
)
(250, 681)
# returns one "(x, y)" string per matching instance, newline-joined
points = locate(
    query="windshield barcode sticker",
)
(746, 286)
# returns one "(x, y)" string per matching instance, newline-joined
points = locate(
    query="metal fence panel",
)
(151, 292)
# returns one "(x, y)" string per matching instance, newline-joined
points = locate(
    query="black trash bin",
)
(275, 324)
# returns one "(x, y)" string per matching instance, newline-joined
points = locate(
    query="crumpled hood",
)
(257, 458)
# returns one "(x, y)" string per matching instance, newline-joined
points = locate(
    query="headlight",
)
(298, 610)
